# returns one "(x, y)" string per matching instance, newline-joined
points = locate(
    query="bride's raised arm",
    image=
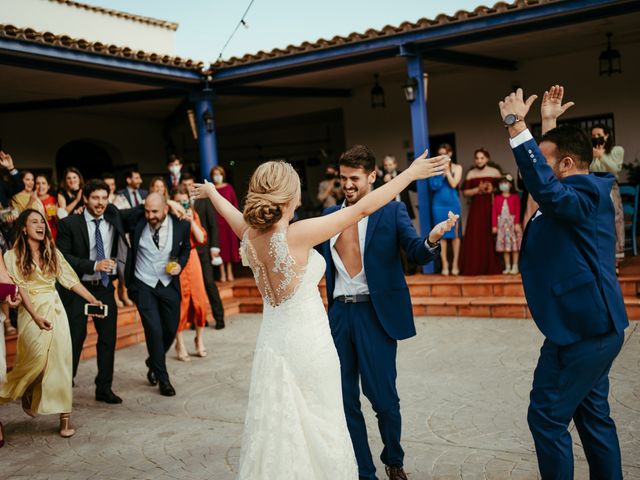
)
(311, 232)
(229, 212)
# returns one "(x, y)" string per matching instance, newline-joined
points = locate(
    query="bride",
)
(295, 426)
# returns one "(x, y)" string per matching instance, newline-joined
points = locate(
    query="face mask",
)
(504, 187)
(217, 179)
(175, 170)
(186, 204)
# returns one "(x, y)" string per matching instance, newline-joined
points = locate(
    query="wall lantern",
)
(207, 118)
(610, 59)
(377, 94)
(410, 88)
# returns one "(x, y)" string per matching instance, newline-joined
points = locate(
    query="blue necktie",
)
(100, 251)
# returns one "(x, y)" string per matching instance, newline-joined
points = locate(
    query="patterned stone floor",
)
(464, 385)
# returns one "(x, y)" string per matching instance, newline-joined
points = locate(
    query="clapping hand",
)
(443, 227)
(552, 106)
(424, 167)
(515, 103)
(6, 161)
(202, 190)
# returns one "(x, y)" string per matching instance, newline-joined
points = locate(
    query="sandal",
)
(65, 426)
(201, 352)
(26, 404)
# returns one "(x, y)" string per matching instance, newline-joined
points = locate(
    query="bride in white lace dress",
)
(295, 427)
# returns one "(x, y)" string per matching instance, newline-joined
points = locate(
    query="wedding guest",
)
(568, 273)
(209, 252)
(158, 185)
(159, 251)
(478, 253)
(70, 192)
(42, 373)
(49, 203)
(193, 306)
(92, 242)
(446, 199)
(391, 171)
(505, 224)
(133, 194)
(608, 157)
(329, 190)
(10, 179)
(229, 247)
(174, 165)
(28, 197)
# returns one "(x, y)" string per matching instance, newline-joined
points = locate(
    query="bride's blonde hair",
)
(273, 186)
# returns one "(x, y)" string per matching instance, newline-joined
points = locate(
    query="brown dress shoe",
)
(395, 473)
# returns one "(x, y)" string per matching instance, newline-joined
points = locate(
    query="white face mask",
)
(504, 187)
(175, 169)
(217, 179)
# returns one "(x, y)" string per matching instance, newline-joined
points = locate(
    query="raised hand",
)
(443, 227)
(6, 161)
(202, 190)
(552, 107)
(424, 167)
(516, 104)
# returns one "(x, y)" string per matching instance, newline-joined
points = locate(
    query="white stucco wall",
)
(62, 19)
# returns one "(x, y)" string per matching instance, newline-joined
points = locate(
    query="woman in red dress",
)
(193, 306)
(49, 202)
(229, 247)
(479, 256)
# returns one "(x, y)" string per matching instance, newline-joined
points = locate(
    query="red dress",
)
(229, 247)
(50, 204)
(193, 305)
(479, 255)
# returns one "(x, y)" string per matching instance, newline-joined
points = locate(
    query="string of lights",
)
(241, 22)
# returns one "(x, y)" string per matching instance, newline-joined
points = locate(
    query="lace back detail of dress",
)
(276, 273)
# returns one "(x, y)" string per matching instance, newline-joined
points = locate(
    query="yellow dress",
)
(21, 199)
(43, 357)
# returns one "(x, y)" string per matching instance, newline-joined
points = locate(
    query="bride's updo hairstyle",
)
(273, 186)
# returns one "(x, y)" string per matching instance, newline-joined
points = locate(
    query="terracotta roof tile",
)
(388, 30)
(31, 35)
(116, 13)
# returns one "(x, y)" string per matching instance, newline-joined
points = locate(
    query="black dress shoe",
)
(108, 396)
(151, 375)
(166, 389)
(219, 324)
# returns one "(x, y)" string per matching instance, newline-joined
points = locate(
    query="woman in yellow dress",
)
(42, 373)
(27, 198)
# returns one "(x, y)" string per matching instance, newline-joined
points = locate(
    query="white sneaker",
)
(507, 270)
(514, 270)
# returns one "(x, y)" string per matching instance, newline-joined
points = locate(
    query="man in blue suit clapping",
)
(568, 271)
(370, 307)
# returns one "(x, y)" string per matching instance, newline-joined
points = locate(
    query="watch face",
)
(510, 119)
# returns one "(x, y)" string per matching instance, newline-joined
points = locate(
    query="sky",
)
(205, 25)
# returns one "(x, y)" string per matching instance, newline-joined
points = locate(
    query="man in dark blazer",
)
(568, 271)
(159, 251)
(132, 192)
(370, 307)
(89, 241)
(207, 213)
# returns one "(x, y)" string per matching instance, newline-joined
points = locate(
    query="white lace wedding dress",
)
(295, 426)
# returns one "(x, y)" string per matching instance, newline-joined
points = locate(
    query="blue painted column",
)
(207, 142)
(420, 135)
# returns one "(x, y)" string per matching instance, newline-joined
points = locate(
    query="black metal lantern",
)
(377, 94)
(610, 59)
(207, 118)
(410, 88)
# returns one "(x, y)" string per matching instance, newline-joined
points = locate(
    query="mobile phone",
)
(91, 309)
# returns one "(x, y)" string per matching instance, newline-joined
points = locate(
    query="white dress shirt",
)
(345, 285)
(106, 231)
(151, 261)
(133, 195)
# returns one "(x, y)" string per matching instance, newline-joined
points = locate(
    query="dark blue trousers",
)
(572, 382)
(159, 310)
(368, 355)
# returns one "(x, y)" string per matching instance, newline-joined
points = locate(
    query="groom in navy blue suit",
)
(370, 307)
(568, 270)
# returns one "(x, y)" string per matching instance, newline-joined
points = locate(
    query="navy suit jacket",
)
(568, 252)
(388, 230)
(135, 222)
(125, 193)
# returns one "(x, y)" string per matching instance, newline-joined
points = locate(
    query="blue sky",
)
(205, 25)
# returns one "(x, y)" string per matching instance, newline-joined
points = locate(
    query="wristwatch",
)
(511, 119)
(432, 245)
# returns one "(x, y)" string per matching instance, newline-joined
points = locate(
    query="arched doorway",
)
(87, 156)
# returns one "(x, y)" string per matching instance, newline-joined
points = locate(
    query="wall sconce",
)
(377, 94)
(610, 59)
(410, 88)
(207, 118)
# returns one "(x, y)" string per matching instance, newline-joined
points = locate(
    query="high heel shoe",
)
(201, 352)
(65, 426)
(1, 435)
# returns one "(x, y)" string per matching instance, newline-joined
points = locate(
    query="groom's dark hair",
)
(571, 142)
(359, 156)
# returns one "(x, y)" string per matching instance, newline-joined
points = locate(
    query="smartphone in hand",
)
(93, 310)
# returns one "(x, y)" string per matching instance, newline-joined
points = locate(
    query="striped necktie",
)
(104, 277)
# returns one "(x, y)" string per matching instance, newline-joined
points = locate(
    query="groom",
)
(370, 307)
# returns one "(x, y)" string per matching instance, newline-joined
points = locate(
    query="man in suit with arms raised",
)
(88, 242)
(370, 307)
(159, 251)
(568, 271)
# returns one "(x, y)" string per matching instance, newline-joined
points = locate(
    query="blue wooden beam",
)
(513, 22)
(259, 91)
